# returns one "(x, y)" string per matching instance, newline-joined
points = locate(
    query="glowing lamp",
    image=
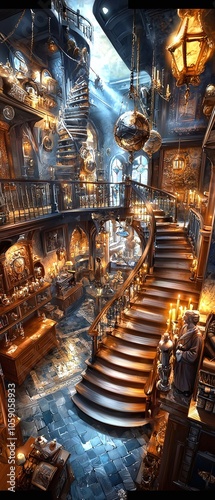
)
(190, 49)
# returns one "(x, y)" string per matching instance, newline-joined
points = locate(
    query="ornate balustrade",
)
(24, 200)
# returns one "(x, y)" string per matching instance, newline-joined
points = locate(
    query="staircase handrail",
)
(119, 297)
(160, 198)
(194, 226)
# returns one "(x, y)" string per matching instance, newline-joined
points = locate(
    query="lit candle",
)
(189, 302)
(20, 458)
(170, 315)
(173, 314)
(191, 307)
(180, 312)
(177, 305)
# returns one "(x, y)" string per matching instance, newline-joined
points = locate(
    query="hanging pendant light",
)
(190, 49)
(154, 141)
(179, 159)
(131, 130)
(52, 47)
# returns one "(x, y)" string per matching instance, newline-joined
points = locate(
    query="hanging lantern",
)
(131, 131)
(52, 47)
(190, 49)
(153, 144)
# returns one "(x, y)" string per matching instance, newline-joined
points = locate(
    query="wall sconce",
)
(190, 49)
(158, 84)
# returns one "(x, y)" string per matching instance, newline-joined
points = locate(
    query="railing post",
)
(54, 190)
(94, 344)
(127, 199)
(203, 254)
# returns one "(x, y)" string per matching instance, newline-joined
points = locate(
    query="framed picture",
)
(203, 475)
(54, 239)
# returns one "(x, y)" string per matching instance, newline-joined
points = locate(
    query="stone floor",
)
(105, 460)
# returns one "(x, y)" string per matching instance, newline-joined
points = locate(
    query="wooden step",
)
(110, 417)
(131, 336)
(172, 274)
(144, 316)
(177, 256)
(130, 327)
(170, 296)
(117, 401)
(175, 286)
(123, 387)
(128, 348)
(102, 366)
(167, 248)
(166, 265)
(124, 361)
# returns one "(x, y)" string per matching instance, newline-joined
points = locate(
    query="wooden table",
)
(15, 476)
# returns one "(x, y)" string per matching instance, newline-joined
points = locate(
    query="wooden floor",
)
(112, 387)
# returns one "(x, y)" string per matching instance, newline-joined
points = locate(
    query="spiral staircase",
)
(118, 387)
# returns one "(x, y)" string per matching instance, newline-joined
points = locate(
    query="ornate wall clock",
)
(19, 265)
(8, 112)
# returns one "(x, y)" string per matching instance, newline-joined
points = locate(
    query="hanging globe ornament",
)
(153, 144)
(131, 131)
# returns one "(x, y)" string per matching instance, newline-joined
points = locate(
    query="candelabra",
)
(158, 84)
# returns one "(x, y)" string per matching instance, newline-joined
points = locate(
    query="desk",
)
(22, 475)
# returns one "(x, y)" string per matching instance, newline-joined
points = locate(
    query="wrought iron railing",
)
(25, 200)
(74, 18)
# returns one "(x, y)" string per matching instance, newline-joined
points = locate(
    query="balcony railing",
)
(74, 18)
(26, 200)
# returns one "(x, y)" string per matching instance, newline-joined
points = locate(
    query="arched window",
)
(19, 62)
(140, 169)
(137, 171)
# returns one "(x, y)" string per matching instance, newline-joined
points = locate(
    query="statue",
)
(188, 349)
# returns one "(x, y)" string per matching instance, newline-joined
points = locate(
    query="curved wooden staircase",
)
(115, 388)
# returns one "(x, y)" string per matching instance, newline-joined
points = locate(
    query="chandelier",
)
(190, 49)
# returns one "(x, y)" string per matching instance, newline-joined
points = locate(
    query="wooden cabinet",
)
(65, 282)
(16, 312)
(68, 291)
(23, 353)
(188, 453)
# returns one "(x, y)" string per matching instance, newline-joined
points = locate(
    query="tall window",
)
(137, 171)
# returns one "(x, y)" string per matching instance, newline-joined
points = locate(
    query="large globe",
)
(131, 131)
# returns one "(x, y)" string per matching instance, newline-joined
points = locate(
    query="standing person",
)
(187, 353)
